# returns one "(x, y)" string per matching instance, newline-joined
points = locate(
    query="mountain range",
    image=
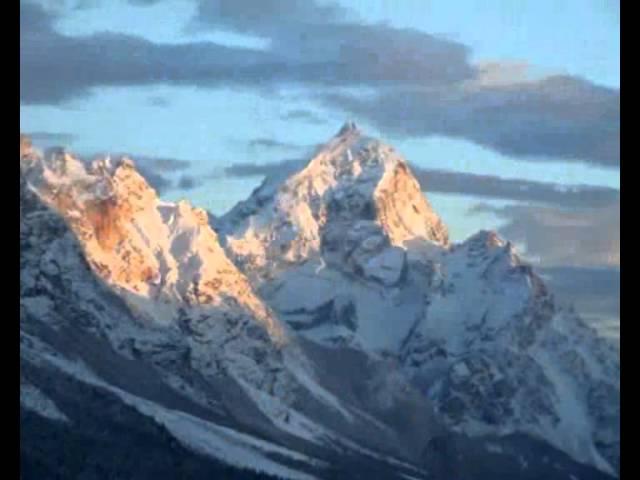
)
(325, 327)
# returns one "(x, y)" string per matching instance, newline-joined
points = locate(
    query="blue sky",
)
(537, 131)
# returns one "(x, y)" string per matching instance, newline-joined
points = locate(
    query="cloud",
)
(421, 84)
(264, 16)
(270, 143)
(162, 164)
(158, 101)
(84, 4)
(187, 182)
(254, 170)
(559, 117)
(159, 182)
(594, 292)
(588, 237)
(600, 287)
(303, 115)
(50, 138)
(452, 182)
(55, 68)
(156, 169)
(34, 18)
(322, 45)
(489, 186)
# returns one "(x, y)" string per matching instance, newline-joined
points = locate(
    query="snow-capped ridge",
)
(351, 179)
(151, 250)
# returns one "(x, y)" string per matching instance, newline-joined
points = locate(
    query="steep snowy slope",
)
(349, 252)
(495, 355)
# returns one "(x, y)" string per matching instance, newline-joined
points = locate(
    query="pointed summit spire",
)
(348, 127)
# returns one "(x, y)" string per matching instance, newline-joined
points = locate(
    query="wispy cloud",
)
(51, 138)
(162, 164)
(329, 54)
(159, 182)
(264, 16)
(269, 143)
(50, 62)
(158, 101)
(594, 292)
(554, 118)
(303, 115)
(254, 169)
(585, 237)
(188, 182)
(461, 183)
(489, 186)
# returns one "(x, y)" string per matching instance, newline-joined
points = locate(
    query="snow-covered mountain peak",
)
(160, 255)
(352, 184)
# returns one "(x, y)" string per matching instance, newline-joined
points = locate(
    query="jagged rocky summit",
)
(355, 188)
(326, 327)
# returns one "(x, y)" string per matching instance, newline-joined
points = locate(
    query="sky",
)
(508, 111)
